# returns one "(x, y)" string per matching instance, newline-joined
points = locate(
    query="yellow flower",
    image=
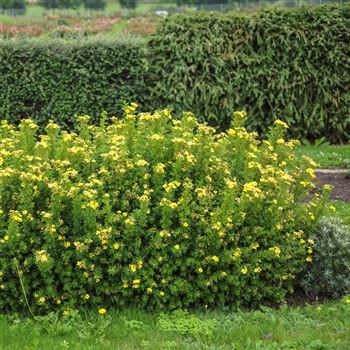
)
(136, 283)
(41, 300)
(257, 269)
(164, 233)
(17, 217)
(281, 124)
(129, 221)
(159, 168)
(346, 299)
(41, 256)
(102, 311)
(244, 270)
(161, 293)
(116, 246)
(149, 290)
(327, 187)
(177, 247)
(93, 204)
(231, 184)
(311, 172)
(237, 254)
(141, 163)
(255, 246)
(275, 250)
(279, 227)
(200, 270)
(309, 259)
(173, 185)
(65, 312)
(81, 264)
(215, 258)
(132, 267)
(239, 114)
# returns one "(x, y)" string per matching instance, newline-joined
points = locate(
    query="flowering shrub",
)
(152, 211)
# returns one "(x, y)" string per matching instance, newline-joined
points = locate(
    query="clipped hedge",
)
(151, 211)
(293, 64)
(57, 79)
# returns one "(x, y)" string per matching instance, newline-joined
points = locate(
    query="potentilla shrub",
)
(151, 211)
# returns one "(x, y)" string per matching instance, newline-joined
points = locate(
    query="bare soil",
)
(340, 182)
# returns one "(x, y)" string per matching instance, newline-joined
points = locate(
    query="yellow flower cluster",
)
(153, 210)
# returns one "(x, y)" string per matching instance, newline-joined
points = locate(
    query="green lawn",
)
(342, 210)
(310, 327)
(328, 156)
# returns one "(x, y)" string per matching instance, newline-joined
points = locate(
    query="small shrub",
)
(151, 211)
(329, 274)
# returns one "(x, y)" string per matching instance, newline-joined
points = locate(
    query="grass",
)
(342, 211)
(119, 27)
(328, 156)
(309, 327)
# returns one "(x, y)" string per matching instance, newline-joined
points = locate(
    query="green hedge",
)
(56, 79)
(292, 64)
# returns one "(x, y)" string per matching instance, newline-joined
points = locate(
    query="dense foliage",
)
(13, 7)
(329, 274)
(153, 211)
(57, 79)
(293, 64)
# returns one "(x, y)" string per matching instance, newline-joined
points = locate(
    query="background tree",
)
(13, 7)
(70, 4)
(128, 4)
(50, 4)
(96, 5)
(181, 3)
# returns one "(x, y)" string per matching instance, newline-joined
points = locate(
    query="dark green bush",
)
(289, 64)
(57, 79)
(329, 274)
(293, 64)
